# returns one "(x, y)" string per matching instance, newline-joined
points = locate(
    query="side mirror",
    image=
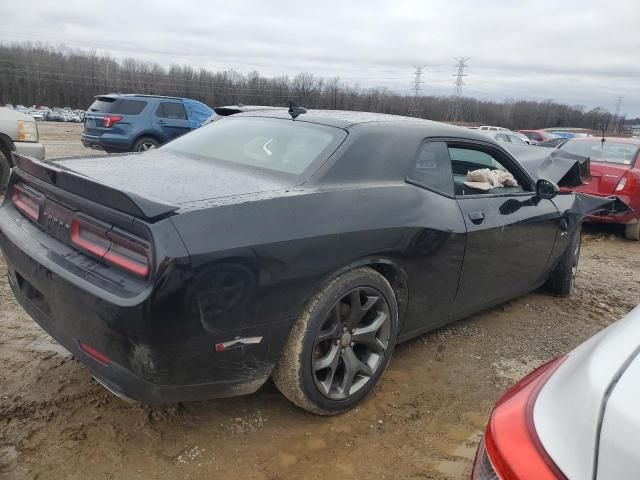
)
(546, 189)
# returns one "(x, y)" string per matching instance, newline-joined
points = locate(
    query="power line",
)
(416, 87)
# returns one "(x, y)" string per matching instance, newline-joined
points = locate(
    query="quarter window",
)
(172, 110)
(432, 168)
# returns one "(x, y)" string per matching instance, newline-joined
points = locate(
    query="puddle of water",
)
(287, 459)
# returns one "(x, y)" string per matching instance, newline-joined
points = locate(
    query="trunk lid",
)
(604, 178)
(153, 183)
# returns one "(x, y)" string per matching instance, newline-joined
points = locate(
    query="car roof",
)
(118, 95)
(629, 140)
(346, 119)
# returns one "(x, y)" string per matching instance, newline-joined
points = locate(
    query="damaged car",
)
(301, 246)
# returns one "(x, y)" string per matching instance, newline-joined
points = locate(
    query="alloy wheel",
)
(351, 343)
(146, 146)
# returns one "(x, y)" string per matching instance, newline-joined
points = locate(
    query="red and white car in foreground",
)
(576, 417)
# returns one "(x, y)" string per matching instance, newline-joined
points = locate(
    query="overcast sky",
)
(575, 51)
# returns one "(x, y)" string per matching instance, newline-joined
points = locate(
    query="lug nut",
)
(344, 329)
(337, 342)
(351, 344)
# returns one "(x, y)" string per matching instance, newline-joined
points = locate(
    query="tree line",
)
(34, 73)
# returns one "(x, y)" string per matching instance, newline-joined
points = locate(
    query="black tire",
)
(632, 231)
(563, 279)
(145, 143)
(315, 369)
(5, 170)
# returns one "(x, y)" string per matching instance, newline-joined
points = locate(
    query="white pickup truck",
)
(18, 133)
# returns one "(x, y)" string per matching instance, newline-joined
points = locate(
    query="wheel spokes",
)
(352, 367)
(328, 362)
(368, 335)
(357, 309)
(332, 333)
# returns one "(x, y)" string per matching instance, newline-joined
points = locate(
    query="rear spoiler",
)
(91, 189)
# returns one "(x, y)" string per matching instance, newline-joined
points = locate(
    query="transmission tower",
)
(456, 113)
(416, 87)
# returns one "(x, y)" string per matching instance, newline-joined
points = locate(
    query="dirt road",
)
(423, 421)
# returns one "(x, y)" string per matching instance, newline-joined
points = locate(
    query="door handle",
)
(476, 217)
(161, 122)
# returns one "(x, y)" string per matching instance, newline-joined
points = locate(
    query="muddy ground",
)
(423, 421)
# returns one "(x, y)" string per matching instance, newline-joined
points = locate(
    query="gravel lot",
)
(423, 421)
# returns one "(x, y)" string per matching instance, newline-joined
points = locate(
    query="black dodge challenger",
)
(301, 247)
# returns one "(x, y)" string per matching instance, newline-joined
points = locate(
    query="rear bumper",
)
(159, 352)
(104, 142)
(124, 383)
(28, 149)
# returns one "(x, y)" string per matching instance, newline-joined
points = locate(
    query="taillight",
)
(110, 120)
(628, 184)
(511, 449)
(114, 246)
(27, 200)
(129, 253)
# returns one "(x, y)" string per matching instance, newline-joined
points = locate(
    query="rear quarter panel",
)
(289, 245)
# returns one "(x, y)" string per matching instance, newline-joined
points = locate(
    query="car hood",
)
(558, 166)
(570, 172)
(569, 408)
(175, 179)
(9, 114)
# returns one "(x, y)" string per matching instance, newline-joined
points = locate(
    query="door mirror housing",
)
(546, 189)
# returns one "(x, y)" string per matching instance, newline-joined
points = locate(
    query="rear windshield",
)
(117, 105)
(274, 144)
(609, 152)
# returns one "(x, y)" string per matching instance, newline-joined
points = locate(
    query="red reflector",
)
(219, 347)
(93, 353)
(27, 201)
(110, 120)
(512, 444)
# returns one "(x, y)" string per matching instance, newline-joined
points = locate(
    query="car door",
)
(170, 119)
(435, 245)
(510, 230)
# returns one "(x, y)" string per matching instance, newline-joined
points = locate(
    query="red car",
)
(615, 170)
(538, 136)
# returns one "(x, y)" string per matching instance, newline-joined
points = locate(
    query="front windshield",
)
(276, 144)
(609, 152)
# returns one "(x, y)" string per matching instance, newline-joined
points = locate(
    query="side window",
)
(536, 136)
(433, 168)
(516, 140)
(466, 160)
(128, 107)
(171, 110)
(501, 137)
